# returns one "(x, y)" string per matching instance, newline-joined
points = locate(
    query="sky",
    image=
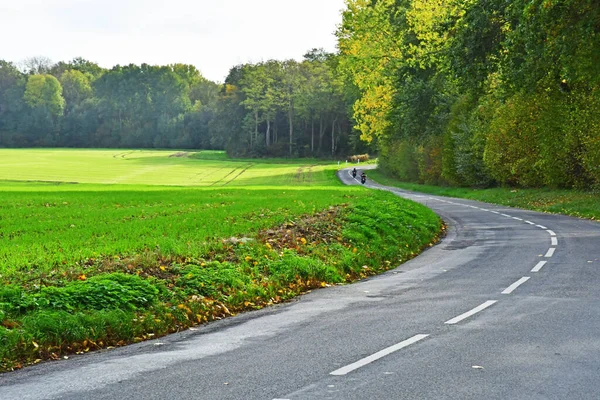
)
(213, 35)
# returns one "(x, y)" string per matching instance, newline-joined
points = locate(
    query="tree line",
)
(461, 92)
(478, 92)
(273, 108)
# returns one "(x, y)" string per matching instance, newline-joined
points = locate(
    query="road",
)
(506, 306)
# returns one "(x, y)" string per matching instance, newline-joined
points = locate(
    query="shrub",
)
(464, 142)
(430, 160)
(399, 160)
(512, 148)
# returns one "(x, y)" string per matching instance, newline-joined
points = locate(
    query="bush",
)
(430, 161)
(585, 122)
(399, 160)
(464, 142)
(512, 148)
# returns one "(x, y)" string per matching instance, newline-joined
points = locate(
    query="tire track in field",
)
(204, 175)
(309, 178)
(304, 174)
(237, 176)
(225, 177)
(122, 155)
(298, 176)
(219, 180)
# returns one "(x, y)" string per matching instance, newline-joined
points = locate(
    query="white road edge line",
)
(550, 252)
(551, 232)
(350, 175)
(506, 215)
(495, 212)
(517, 218)
(378, 355)
(541, 226)
(539, 266)
(477, 309)
(515, 285)
(530, 223)
(554, 240)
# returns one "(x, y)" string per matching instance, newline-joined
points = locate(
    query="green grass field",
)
(102, 248)
(147, 167)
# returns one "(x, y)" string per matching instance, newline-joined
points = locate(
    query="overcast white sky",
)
(213, 35)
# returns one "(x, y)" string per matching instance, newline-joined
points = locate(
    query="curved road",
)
(507, 306)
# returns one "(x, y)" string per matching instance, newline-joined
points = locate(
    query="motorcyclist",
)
(363, 177)
(354, 173)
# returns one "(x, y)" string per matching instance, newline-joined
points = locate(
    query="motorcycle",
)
(363, 179)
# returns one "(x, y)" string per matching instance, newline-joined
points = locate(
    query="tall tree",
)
(292, 82)
(45, 92)
(37, 65)
(76, 88)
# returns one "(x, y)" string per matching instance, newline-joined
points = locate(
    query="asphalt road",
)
(506, 307)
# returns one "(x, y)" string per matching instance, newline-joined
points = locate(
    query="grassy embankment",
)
(582, 204)
(98, 264)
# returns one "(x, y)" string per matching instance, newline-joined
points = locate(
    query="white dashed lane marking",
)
(474, 311)
(539, 266)
(515, 285)
(382, 353)
(378, 355)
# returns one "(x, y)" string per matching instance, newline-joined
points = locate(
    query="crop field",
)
(150, 167)
(102, 248)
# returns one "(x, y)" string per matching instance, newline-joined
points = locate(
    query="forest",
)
(273, 108)
(477, 92)
(472, 93)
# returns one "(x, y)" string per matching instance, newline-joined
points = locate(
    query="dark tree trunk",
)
(312, 134)
(321, 134)
(255, 127)
(333, 137)
(268, 133)
(291, 123)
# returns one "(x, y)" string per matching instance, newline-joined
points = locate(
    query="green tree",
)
(45, 91)
(76, 88)
(12, 88)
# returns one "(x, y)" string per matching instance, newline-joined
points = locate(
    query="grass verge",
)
(91, 269)
(580, 204)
